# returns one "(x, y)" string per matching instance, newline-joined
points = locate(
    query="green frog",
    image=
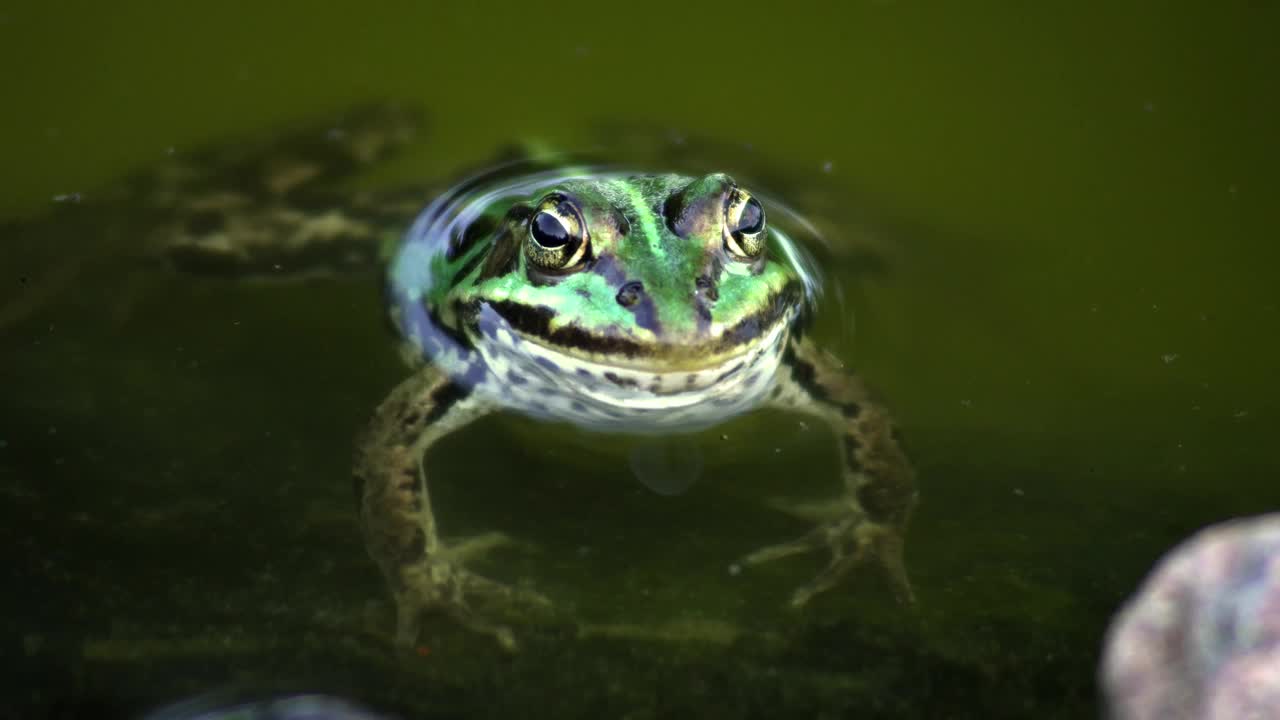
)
(609, 298)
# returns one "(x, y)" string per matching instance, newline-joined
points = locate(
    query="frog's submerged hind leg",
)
(867, 521)
(424, 573)
(275, 206)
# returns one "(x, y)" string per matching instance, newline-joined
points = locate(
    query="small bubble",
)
(170, 151)
(777, 451)
(1169, 358)
(724, 436)
(73, 197)
(1149, 106)
(1019, 492)
(966, 403)
(53, 430)
(735, 569)
(826, 166)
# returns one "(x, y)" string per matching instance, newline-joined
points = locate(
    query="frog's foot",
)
(852, 538)
(439, 582)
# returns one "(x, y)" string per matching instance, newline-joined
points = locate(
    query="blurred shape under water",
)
(666, 465)
(220, 706)
(1201, 639)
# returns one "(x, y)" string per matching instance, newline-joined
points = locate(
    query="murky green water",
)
(1076, 326)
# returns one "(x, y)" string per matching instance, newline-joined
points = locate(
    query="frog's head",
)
(649, 273)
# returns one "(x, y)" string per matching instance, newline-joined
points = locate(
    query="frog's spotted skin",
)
(623, 301)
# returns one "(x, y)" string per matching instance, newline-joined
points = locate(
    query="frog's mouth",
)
(651, 377)
(612, 350)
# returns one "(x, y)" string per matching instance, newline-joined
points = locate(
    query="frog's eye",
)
(744, 233)
(557, 235)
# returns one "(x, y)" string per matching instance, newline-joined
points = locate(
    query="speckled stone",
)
(1201, 638)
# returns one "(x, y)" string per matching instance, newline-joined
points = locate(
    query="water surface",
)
(1074, 323)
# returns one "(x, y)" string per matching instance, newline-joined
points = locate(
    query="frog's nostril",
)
(630, 294)
(706, 288)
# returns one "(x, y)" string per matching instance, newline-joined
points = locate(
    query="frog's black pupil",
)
(549, 231)
(752, 219)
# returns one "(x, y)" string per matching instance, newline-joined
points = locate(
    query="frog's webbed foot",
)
(439, 582)
(866, 522)
(851, 539)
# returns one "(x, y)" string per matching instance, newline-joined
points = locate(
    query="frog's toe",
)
(469, 619)
(440, 583)
(477, 545)
(814, 511)
(769, 553)
(851, 541)
(413, 605)
(508, 594)
(411, 608)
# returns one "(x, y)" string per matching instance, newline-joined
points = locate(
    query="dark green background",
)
(1077, 331)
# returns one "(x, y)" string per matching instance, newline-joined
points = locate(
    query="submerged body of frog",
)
(622, 301)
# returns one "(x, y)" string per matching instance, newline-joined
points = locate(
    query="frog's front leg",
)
(867, 521)
(425, 573)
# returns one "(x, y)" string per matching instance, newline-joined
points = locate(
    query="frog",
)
(610, 298)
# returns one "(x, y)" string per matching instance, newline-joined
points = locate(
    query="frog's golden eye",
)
(557, 235)
(744, 233)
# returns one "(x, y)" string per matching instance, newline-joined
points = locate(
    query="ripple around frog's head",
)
(665, 288)
(426, 263)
